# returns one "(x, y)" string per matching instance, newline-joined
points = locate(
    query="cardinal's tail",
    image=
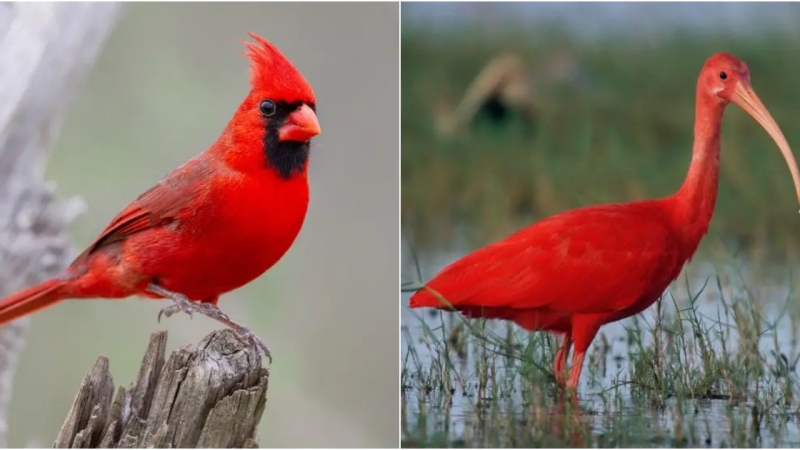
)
(32, 299)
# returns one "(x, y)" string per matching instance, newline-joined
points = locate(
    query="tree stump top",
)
(209, 396)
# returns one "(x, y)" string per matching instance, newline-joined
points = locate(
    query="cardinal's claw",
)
(212, 311)
(169, 311)
(181, 302)
(256, 342)
(259, 345)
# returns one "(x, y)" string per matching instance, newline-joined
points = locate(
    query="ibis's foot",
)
(182, 304)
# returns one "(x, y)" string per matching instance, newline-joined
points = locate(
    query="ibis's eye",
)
(267, 107)
(723, 76)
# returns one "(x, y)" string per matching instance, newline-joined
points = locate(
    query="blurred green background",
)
(512, 112)
(610, 111)
(167, 82)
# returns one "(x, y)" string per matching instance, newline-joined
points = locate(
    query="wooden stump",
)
(209, 396)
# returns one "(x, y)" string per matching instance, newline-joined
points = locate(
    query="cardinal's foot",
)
(212, 311)
(182, 303)
(255, 341)
(171, 310)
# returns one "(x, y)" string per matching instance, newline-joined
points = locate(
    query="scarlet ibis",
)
(573, 272)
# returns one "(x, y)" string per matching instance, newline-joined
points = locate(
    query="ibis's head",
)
(725, 79)
(720, 76)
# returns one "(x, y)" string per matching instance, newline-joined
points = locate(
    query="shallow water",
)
(612, 417)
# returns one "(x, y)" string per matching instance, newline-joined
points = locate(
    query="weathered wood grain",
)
(209, 396)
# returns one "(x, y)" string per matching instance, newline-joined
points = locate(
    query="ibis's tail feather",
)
(30, 300)
(531, 319)
(423, 299)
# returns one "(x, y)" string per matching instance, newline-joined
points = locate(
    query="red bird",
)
(574, 272)
(213, 224)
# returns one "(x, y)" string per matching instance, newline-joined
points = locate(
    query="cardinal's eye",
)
(723, 76)
(267, 107)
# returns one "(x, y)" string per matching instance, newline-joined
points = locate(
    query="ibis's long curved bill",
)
(744, 96)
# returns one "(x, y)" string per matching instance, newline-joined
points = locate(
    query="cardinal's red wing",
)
(162, 204)
(596, 259)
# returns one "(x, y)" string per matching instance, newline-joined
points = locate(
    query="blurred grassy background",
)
(614, 87)
(164, 87)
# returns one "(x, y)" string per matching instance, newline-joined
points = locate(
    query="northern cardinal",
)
(213, 224)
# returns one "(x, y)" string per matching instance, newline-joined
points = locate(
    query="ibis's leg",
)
(559, 367)
(584, 329)
(575, 370)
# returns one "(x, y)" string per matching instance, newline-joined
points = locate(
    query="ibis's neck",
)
(696, 198)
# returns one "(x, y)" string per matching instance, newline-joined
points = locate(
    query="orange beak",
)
(744, 96)
(301, 126)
